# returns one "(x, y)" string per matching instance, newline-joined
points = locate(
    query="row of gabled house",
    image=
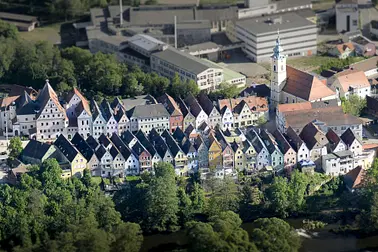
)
(120, 155)
(45, 116)
(215, 151)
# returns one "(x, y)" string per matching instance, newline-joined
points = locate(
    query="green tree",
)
(8, 30)
(80, 58)
(250, 199)
(261, 121)
(222, 233)
(67, 9)
(130, 86)
(353, 105)
(278, 196)
(224, 197)
(190, 86)
(197, 197)
(50, 174)
(273, 234)
(368, 201)
(225, 91)
(128, 238)
(7, 52)
(105, 73)
(161, 199)
(46, 213)
(15, 148)
(176, 86)
(297, 190)
(185, 212)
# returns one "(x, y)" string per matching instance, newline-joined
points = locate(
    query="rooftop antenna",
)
(120, 13)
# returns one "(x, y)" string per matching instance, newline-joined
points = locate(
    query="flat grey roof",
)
(266, 24)
(148, 111)
(114, 40)
(146, 42)
(200, 47)
(195, 24)
(340, 154)
(18, 17)
(152, 15)
(185, 60)
(284, 4)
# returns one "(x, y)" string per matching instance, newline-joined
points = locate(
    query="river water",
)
(318, 241)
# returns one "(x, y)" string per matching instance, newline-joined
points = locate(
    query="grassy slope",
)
(49, 33)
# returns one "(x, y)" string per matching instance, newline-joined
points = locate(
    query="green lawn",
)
(49, 33)
(323, 5)
(313, 63)
(132, 178)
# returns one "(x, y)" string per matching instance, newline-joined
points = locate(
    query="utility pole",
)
(120, 13)
(175, 32)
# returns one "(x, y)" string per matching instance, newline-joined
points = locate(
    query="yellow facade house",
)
(215, 153)
(239, 161)
(75, 162)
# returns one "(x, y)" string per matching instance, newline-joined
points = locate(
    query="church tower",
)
(278, 73)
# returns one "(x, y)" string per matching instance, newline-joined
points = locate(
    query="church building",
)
(290, 85)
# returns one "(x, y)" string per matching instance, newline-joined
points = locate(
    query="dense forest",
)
(30, 64)
(43, 212)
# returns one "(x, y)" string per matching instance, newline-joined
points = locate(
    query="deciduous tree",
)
(273, 234)
(8, 30)
(161, 199)
(15, 147)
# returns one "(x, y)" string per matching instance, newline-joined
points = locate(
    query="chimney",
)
(120, 13)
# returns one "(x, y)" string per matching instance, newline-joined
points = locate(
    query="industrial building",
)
(298, 35)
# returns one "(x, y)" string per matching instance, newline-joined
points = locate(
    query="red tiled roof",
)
(342, 47)
(330, 115)
(353, 79)
(254, 103)
(83, 100)
(171, 104)
(6, 101)
(48, 93)
(356, 177)
(294, 106)
(305, 85)
(370, 146)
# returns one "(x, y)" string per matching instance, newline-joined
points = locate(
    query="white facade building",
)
(51, 118)
(168, 62)
(298, 35)
(338, 163)
(147, 117)
(347, 16)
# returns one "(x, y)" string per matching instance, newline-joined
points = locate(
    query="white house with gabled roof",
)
(227, 118)
(51, 118)
(99, 122)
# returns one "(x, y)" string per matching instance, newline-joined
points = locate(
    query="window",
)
(355, 22)
(274, 68)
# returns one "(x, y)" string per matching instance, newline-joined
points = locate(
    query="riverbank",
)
(319, 240)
